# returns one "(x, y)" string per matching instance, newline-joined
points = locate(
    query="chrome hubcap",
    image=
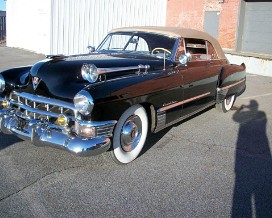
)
(228, 101)
(131, 133)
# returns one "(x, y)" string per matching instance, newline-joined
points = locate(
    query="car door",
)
(199, 79)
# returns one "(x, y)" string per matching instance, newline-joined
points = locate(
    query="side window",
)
(197, 48)
(137, 44)
(142, 45)
(211, 51)
(117, 42)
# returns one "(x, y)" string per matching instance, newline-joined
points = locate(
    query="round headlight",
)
(83, 102)
(89, 72)
(2, 83)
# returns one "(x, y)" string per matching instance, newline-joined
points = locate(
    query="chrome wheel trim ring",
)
(229, 102)
(131, 133)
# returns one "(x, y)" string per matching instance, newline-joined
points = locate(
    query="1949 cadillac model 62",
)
(138, 80)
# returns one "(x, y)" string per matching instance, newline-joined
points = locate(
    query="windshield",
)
(141, 43)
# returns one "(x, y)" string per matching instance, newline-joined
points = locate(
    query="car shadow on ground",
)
(252, 195)
(7, 140)
(154, 138)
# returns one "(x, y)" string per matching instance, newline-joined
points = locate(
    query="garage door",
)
(257, 28)
(69, 26)
(77, 24)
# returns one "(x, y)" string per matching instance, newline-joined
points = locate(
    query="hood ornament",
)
(35, 82)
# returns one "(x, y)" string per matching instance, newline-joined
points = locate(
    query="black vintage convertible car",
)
(138, 80)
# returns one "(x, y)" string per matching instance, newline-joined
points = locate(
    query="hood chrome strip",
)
(117, 69)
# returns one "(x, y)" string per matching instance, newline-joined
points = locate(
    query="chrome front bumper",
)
(43, 133)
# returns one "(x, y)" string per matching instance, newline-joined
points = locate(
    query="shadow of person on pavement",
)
(253, 167)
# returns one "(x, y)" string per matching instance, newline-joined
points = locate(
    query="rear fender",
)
(231, 81)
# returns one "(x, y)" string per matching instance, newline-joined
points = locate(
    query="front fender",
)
(113, 97)
(16, 78)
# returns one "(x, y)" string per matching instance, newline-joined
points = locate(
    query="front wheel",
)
(129, 135)
(227, 104)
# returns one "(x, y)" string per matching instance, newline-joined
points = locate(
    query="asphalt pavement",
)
(212, 165)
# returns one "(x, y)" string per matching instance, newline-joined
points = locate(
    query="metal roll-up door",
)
(77, 24)
(256, 27)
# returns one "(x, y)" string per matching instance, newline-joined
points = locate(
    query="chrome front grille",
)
(30, 109)
(38, 107)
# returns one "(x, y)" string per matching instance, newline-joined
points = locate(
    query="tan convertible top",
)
(176, 32)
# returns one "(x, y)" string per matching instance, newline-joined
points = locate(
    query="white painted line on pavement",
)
(257, 96)
(251, 75)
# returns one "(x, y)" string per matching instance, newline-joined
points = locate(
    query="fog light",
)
(5, 103)
(62, 120)
(85, 131)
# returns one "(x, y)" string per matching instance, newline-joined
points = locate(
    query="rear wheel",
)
(227, 104)
(129, 135)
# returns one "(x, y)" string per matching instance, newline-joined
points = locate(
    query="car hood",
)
(60, 77)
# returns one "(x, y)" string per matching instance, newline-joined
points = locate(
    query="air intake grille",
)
(39, 107)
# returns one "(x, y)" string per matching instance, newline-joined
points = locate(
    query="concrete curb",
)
(254, 65)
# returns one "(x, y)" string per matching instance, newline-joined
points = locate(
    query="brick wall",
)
(190, 14)
(228, 23)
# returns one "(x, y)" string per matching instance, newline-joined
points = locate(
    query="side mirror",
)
(184, 59)
(91, 49)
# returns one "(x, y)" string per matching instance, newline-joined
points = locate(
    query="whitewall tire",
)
(129, 135)
(227, 104)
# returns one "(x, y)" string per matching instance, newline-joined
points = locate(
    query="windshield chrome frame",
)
(174, 49)
(120, 33)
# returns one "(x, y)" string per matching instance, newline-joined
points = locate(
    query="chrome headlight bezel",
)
(83, 102)
(89, 72)
(2, 83)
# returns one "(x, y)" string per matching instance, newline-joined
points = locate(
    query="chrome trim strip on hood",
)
(117, 69)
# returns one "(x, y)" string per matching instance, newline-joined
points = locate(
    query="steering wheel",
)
(162, 49)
